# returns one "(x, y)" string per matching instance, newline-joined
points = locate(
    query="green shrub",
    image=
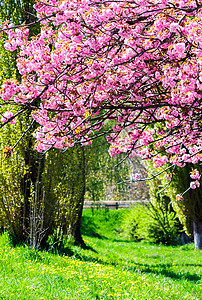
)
(163, 228)
(153, 224)
(135, 223)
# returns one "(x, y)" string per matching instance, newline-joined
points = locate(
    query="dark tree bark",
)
(72, 224)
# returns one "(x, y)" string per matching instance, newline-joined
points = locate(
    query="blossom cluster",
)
(8, 117)
(193, 184)
(195, 175)
(138, 63)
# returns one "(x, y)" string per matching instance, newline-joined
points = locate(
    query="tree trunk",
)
(197, 231)
(78, 240)
(77, 198)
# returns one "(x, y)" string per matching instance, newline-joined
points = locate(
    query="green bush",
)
(163, 228)
(135, 223)
(150, 223)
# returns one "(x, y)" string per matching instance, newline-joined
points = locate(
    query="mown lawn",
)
(111, 268)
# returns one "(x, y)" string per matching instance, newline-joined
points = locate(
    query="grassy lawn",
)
(111, 268)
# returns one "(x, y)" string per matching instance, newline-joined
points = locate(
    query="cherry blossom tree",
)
(136, 63)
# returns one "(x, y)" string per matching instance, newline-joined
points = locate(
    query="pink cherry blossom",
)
(7, 116)
(179, 197)
(136, 176)
(195, 174)
(132, 66)
(194, 184)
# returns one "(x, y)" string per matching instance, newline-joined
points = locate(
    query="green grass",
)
(111, 268)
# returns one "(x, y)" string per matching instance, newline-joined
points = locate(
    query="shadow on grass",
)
(67, 251)
(123, 241)
(160, 269)
(193, 265)
(86, 247)
(92, 227)
(163, 269)
(88, 226)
